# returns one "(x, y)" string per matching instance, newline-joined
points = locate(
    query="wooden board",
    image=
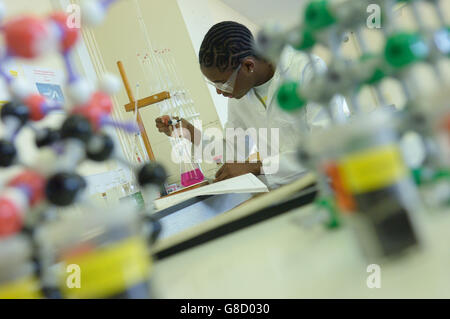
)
(130, 107)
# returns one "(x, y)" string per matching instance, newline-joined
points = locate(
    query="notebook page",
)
(247, 183)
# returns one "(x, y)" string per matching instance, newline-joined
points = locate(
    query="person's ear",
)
(249, 64)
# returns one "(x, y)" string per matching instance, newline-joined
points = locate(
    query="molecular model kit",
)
(37, 247)
(365, 176)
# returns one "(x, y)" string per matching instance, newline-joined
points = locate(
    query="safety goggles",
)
(228, 86)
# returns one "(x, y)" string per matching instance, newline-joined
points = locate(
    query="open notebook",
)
(247, 183)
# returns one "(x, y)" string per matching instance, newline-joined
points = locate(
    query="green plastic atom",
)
(318, 15)
(330, 207)
(307, 40)
(441, 174)
(422, 175)
(417, 176)
(378, 74)
(288, 97)
(404, 49)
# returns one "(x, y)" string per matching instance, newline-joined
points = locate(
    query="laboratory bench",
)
(258, 250)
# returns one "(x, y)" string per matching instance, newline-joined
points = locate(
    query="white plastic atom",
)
(110, 84)
(92, 12)
(79, 91)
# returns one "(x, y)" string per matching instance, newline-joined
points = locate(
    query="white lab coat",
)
(249, 112)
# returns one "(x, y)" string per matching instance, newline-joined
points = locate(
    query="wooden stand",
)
(130, 107)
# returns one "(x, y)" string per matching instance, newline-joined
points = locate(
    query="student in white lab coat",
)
(229, 62)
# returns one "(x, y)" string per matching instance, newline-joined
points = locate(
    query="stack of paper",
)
(247, 183)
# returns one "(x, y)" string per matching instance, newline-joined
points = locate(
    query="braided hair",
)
(225, 44)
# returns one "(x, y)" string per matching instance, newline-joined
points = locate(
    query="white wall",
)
(200, 16)
(286, 13)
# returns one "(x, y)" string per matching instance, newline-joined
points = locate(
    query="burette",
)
(161, 65)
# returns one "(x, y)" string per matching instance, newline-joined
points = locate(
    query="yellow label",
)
(14, 73)
(107, 271)
(25, 288)
(372, 169)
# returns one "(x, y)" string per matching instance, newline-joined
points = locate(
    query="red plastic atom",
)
(35, 103)
(70, 36)
(98, 107)
(34, 181)
(26, 36)
(10, 217)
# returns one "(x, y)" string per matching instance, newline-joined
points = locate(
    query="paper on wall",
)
(47, 82)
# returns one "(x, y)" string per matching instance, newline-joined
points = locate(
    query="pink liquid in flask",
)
(192, 177)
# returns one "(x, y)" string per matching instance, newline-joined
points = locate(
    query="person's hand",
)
(162, 124)
(229, 170)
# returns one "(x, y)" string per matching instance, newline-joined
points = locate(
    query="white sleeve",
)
(233, 122)
(285, 168)
(288, 169)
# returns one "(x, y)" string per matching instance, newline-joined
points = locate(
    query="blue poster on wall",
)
(51, 91)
